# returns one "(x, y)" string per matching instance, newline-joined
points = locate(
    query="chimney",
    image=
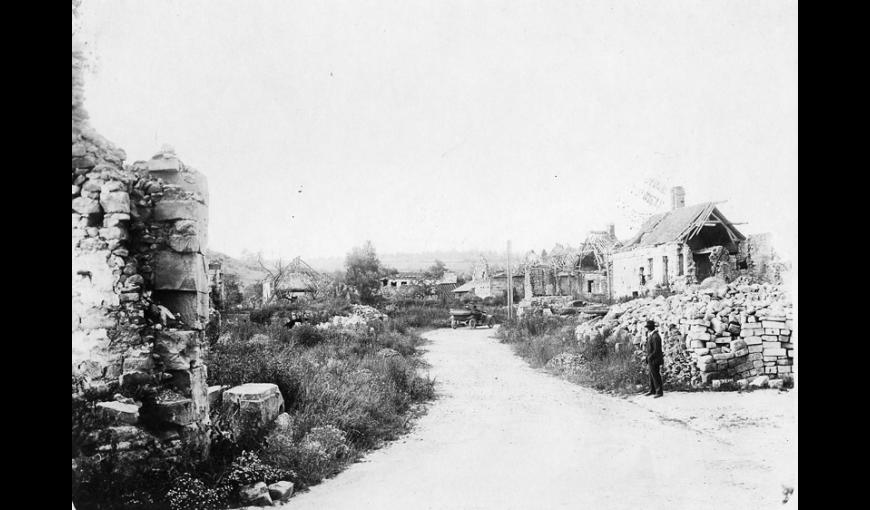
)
(611, 228)
(678, 197)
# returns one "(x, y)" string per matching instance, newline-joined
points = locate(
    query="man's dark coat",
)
(654, 354)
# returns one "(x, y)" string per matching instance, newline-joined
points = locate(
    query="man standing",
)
(654, 359)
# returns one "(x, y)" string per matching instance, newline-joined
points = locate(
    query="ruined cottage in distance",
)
(299, 280)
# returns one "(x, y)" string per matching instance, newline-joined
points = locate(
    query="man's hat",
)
(651, 324)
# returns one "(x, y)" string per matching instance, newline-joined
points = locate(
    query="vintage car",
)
(471, 318)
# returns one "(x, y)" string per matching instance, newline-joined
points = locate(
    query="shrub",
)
(248, 468)
(189, 493)
(321, 452)
(306, 335)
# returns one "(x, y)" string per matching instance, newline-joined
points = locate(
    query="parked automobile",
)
(470, 317)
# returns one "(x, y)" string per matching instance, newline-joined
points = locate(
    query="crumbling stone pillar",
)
(172, 242)
(137, 313)
(180, 218)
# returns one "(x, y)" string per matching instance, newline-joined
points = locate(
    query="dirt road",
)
(503, 435)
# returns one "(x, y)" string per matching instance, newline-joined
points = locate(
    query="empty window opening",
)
(589, 286)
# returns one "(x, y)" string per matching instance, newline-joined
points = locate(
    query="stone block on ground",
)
(281, 491)
(253, 405)
(722, 384)
(776, 383)
(255, 494)
(251, 391)
(119, 412)
(284, 422)
(760, 381)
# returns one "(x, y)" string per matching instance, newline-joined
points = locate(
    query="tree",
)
(232, 291)
(363, 272)
(435, 271)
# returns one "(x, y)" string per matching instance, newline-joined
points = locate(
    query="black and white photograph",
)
(434, 254)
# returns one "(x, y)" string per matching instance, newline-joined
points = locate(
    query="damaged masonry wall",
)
(139, 283)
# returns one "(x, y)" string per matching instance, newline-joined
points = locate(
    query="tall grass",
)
(539, 340)
(338, 378)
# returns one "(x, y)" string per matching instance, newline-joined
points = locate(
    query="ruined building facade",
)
(583, 273)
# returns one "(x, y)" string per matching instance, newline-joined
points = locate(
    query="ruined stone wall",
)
(139, 287)
(600, 284)
(724, 331)
(539, 281)
(626, 266)
(498, 286)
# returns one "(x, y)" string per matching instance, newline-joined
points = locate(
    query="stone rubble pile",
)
(360, 316)
(548, 305)
(722, 330)
(567, 362)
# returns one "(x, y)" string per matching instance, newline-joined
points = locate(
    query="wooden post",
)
(510, 283)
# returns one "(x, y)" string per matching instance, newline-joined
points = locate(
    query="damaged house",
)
(581, 273)
(392, 285)
(293, 281)
(489, 281)
(682, 246)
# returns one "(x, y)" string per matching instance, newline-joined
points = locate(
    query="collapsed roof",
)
(700, 226)
(300, 277)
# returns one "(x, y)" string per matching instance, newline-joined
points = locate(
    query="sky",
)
(438, 125)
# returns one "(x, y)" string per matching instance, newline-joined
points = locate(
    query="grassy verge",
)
(548, 342)
(346, 390)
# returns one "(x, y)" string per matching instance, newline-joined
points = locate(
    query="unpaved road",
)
(503, 435)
